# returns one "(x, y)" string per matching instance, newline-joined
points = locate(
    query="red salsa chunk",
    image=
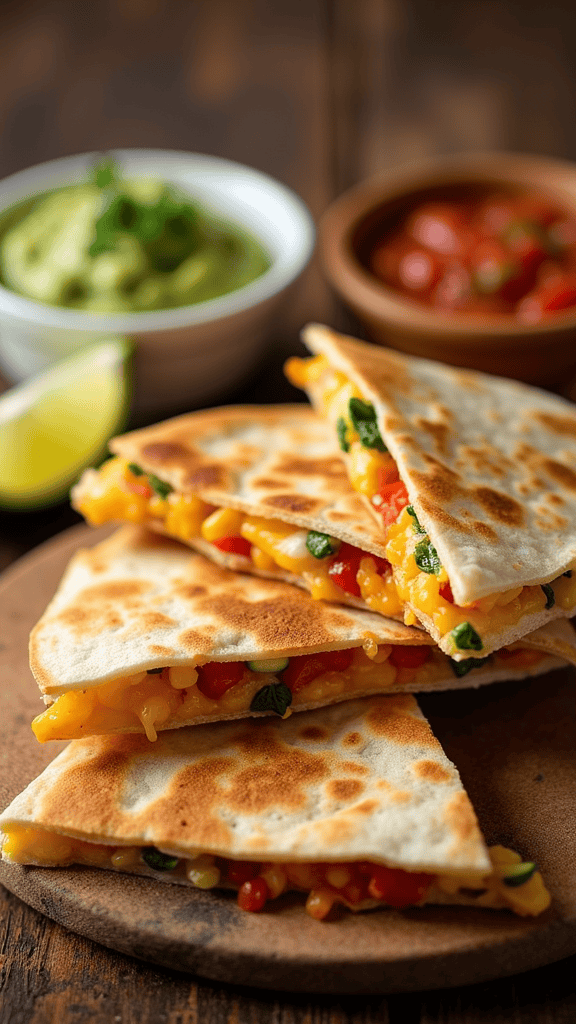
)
(498, 254)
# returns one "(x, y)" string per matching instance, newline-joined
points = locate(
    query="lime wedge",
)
(58, 422)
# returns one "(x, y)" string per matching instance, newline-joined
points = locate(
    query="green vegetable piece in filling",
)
(550, 595)
(363, 417)
(321, 544)
(416, 524)
(341, 428)
(276, 698)
(518, 874)
(161, 488)
(158, 861)
(466, 638)
(426, 557)
(135, 469)
(462, 668)
(269, 665)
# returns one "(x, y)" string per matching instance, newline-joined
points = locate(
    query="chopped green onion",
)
(276, 698)
(466, 638)
(462, 668)
(550, 595)
(341, 428)
(269, 665)
(158, 861)
(416, 524)
(518, 874)
(321, 544)
(426, 557)
(161, 488)
(135, 469)
(363, 416)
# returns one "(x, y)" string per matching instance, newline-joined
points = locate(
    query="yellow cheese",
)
(224, 522)
(379, 592)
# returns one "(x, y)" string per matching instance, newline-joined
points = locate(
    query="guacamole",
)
(117, 245)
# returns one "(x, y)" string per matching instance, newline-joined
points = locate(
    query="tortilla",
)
(490, 470)
(364, 781)
(123, 644)
(278, 464)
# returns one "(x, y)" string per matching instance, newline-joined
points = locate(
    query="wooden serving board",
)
(514, 746)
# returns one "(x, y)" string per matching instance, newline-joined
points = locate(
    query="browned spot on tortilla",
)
(366, 807)
(206, 476)
(344, 789)
(394, 424)
(467, 383)
(356, 769)
(440, 484)
(430, 771)
(163, 452)
(561, 473)
(313, 467)
(159, 649)
(460, 817)
(277, 623)
(292, 503)
(115, 590)
(278, 776)
(484, 530)
(86, 621)
(439, 431)
(393, 720)
(565, 425)
(313, 733)
(499, 506)
(154, 620)
(191, 590)
(479, 460)
(555, 499)
(269, 484)
(194, 642)
(352, 739)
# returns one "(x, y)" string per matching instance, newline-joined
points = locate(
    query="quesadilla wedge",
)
(357, 804)
(144, 634)
(473, 479)
(260, 489)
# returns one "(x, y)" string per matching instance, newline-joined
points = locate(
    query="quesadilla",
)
(144, 634)
(357, 805)
(473, 480)
(257, 489)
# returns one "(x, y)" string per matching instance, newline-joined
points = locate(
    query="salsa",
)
(496, 254)
(116, 245)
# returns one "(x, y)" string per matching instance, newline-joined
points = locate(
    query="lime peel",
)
(58, 422)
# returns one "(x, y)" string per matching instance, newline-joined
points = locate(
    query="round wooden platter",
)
(514, 746)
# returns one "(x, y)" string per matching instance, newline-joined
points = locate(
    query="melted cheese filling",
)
(115, 493)
(326, 883)
(415, 588)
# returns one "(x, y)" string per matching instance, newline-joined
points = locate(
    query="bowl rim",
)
(373, 299)
(287, 264)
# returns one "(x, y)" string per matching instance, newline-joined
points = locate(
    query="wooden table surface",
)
(318, 93)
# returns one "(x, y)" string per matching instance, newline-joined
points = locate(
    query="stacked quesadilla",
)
(389, 546)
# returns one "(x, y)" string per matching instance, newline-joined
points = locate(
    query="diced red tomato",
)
(303, 669)
(253, 895)
(394, 497)
(398, 888)
(241, 871)
(218, 676)
(419, 270)
(445, 591)
(343, 568)
(548, 299)
(454, 289)
(439, 227)
(409, 657)
(237, 545)
(387, 474)
(137, 486)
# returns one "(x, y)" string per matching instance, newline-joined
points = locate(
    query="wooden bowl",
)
(543, 353)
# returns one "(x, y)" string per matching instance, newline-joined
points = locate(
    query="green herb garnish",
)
(158, 861)
(426, 557)
(161, 488)
(518, 874)
(416, 524)
(550, 595)
(104, 173)
(363, 416)
(466, 638)
(135, 469)
(277, 698)
(462, 668)
(341, 428)
(321, 544)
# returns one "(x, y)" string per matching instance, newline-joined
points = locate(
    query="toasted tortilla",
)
(489, 465)
(138, 602)
(362, 781)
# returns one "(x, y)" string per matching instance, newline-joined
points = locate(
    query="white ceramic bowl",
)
(188, 355)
